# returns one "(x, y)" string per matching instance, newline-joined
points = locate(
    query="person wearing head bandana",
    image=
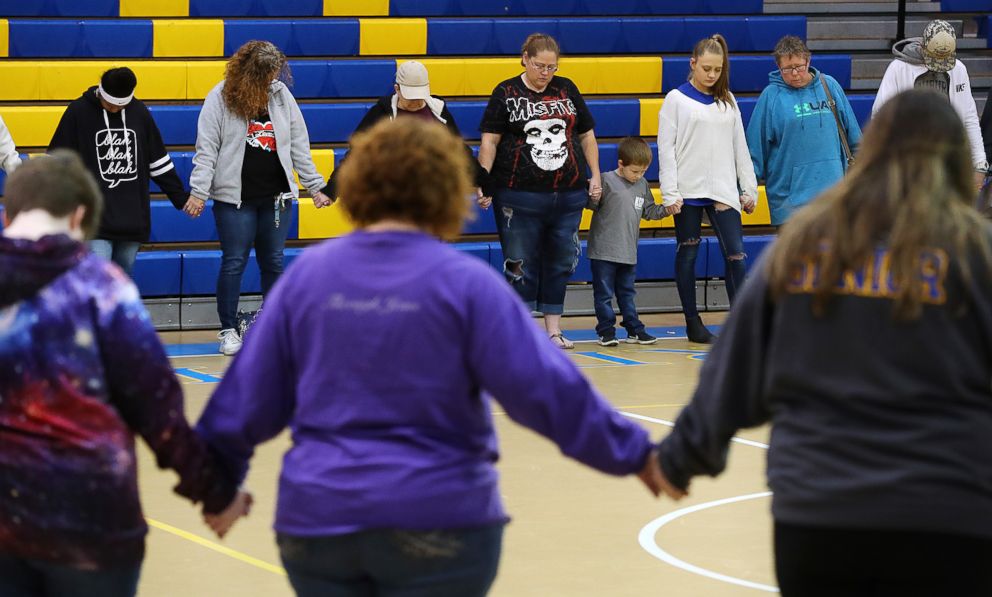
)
(930, 62)
(121, 145)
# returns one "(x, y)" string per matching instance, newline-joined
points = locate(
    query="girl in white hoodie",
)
(705, 167)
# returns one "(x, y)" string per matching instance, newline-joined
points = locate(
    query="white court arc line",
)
(647, 540)
(647, 535)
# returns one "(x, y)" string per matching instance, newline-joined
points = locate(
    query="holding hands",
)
(321, 200)
(483, 201)
(194, 206)
(654, 479)
(222, 522)
(748, 203)
(595, 187)
(675, 208)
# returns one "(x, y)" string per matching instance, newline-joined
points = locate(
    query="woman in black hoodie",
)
(122, 147)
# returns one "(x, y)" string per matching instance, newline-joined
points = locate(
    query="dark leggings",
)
(730, 233)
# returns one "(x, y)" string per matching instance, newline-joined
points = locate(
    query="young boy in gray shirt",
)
(613, 235)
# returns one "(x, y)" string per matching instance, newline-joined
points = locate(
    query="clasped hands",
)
(654, 479)
(222, 522)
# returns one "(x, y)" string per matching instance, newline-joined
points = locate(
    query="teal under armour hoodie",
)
(794, 143)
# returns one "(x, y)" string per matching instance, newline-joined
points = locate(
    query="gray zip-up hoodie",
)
(220, 146)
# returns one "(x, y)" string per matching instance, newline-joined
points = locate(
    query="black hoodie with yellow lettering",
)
(123, 150)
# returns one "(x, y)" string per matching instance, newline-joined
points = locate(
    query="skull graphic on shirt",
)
(548, 143)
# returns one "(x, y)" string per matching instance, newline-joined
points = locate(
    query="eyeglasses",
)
(545, 68)
(795, 70)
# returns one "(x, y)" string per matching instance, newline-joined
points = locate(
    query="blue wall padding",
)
(158, 273)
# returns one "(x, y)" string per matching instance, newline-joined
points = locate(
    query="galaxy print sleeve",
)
(144, 389)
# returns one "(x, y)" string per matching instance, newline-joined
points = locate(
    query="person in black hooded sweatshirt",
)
(121, 145)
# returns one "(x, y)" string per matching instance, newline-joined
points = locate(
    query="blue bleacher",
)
(519, 8)
(170, 225)
(317, 37)
(159, 273)
(256, 8)
(60, 8)
(342, 78)
(80, 39)
(753, 247)
(965, 5)
(750, 73)
(608, 35)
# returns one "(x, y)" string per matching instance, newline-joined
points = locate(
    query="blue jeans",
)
(121, 252)
(730, 233)
(239, 229)
(609, 278)
(394, 563)
(35, 578)
(539, 233)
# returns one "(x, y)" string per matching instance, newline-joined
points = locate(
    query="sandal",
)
(561, 341)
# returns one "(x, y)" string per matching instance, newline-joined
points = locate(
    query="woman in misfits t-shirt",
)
(537, 144)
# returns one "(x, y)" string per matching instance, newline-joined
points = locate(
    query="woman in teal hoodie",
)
(793, 136)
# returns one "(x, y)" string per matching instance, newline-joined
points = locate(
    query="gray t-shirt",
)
(939, 82)
(616, 220)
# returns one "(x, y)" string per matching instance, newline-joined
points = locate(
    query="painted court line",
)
(227, 551)
(610, 358)
(647, 540)
(201, 377)
(666, 423)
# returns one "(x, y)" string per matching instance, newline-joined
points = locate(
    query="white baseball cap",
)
(412, 78)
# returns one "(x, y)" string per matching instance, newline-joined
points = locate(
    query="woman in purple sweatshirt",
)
(81, 372)
(379, 351)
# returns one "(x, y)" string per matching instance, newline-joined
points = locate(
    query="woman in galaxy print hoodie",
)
(81, 371)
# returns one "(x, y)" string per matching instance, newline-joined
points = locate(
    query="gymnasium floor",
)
(575, 532)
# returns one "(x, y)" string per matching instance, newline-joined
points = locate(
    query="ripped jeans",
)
(385, 562)
(730, 233)
(539, 233)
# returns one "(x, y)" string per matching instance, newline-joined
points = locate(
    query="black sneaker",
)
(640, 338)
(610, 340)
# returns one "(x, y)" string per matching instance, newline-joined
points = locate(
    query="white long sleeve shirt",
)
(702, 151)
(901, 76)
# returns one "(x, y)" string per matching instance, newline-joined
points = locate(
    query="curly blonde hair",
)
(407, 170)
(248, 75)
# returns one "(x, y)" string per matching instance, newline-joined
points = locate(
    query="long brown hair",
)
(716, 44)
(910, 191)
(248, 75)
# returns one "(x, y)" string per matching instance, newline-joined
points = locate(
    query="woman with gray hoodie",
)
(251, 136)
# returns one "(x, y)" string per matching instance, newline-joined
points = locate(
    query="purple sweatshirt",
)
(82, 371)
(376, 349)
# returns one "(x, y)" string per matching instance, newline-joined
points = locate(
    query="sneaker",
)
(610, 340)
(230, 341)
(640, 338)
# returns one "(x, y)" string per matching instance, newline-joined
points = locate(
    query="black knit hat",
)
(119, 82)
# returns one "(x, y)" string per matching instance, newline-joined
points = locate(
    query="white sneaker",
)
(230, 341)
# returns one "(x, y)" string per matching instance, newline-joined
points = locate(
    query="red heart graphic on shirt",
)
(261, 135)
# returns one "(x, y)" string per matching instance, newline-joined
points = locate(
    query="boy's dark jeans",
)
(609, 279)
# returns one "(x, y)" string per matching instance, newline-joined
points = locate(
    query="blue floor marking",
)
(208, 349)
(610, 358)
(202, 377)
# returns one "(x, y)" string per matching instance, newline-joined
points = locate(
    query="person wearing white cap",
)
(122, 147)
(411, 97)
(930, 62)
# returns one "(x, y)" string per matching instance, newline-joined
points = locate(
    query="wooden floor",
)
(574, 531)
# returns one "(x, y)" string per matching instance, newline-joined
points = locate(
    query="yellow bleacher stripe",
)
(392, 37)
(201, 77)
(32, 126)
(649, 116)
(592, 75)
(327, 222)
(4, 38)
(356, 8)
(178, 38)
(323, 159)
(154, 8)
(66, 80)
